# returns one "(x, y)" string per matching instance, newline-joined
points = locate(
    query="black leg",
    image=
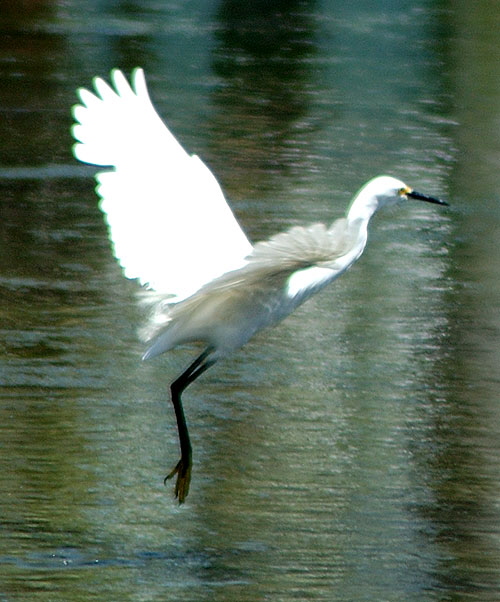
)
(183, 467)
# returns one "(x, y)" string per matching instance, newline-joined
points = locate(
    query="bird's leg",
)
(183, 467)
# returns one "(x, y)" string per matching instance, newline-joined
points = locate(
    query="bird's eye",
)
(404, 190)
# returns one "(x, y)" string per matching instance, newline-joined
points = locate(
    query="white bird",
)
(172, 229)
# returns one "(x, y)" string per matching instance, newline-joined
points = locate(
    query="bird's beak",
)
(418, 196)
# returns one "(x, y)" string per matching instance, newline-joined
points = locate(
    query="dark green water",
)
(352, 453)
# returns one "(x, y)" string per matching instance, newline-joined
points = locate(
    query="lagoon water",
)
(351, 453)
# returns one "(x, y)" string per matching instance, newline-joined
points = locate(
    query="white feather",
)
(308, 280)
(169, 222)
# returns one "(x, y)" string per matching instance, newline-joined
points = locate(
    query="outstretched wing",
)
(168, 219)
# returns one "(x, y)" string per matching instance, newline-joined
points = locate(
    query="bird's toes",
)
(172, 473)
(183, 471)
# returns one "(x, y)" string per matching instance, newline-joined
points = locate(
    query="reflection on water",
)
(264, 61)
(352, 452)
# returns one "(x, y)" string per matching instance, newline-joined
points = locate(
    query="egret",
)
(172, 229)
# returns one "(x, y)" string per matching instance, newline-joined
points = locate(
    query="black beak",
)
(418, 196)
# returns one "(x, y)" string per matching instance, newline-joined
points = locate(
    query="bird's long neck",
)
(362, 207)
(358, 216)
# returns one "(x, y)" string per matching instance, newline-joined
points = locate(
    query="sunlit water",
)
(351, 453)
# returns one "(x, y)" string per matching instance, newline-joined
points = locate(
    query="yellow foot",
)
(183, 472)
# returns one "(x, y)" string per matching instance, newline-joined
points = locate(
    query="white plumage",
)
(172, 229)
(162, 205)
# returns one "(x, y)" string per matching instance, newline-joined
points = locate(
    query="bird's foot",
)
(183, 472)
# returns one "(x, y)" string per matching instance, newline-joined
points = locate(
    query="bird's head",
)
(382, 191)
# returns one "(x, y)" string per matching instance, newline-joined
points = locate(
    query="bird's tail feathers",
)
(158, 309)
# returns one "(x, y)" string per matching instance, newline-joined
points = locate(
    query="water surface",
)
(352, 452)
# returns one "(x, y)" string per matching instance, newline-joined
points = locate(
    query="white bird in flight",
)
(172, 229)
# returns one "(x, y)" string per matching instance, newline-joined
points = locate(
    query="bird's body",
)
(278, 276)
(172, 229)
